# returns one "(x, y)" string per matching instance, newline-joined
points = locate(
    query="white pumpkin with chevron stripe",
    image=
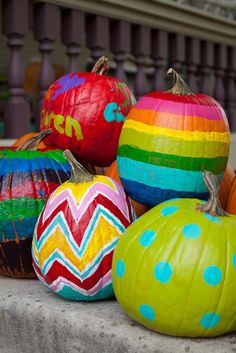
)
(76, 234)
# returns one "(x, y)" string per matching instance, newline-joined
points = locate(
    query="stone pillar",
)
(159, 55)
(15, 27)
(207, 62)
(193, 61)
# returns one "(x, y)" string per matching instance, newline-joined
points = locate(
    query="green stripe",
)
(216, 165)
(173, 146)
(20, 208)
(55, 154)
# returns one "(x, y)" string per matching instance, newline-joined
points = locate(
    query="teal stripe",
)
(161, 177)
(71, 294)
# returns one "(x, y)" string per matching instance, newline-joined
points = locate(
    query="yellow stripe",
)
(183, 135)
(98, 240)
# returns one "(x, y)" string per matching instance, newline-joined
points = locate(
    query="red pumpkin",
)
(112, 172)
(86, 112)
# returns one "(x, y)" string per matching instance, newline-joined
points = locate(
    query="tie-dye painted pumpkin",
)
(77, 232)
(27, 178)
(86, 112)
(167, 140)
(174, 268)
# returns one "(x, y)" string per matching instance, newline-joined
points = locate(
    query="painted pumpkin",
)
(174, 268)
(77, 232)
(231, 204)
(225, 186)
(26, 137)
(86, 112)
(27, 178)
(167, 140)
(112, 172)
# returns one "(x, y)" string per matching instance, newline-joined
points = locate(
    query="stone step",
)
(34, 320)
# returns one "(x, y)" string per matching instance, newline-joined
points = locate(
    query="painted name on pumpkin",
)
(64, 125)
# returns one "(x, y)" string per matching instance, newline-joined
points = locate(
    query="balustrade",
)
(208, 67)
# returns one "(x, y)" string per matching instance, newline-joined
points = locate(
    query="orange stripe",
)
(178, 122)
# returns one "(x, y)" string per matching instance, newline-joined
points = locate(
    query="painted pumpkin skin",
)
(86, 112)
(112, 172)
(174, 270)
(167, 140)
(74, 258)
(27, 178)
(231, 204)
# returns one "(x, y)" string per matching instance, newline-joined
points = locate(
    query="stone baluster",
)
(159, 55)
(141, 49)
(46, 31)
(177, 49)
(97, 32)
(15, 15)
(120, 41)
(231, 87)
(207, 62)
(220, 62)
(73, 35)
(193, 61)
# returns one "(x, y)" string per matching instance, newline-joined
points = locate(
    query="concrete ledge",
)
(32, 319)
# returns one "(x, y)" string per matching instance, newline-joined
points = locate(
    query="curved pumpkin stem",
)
(78, 173)
(180, 86)
(212, 206)
(32, 143)
(101, 66)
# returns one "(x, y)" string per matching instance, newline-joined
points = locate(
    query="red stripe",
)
(37, 189)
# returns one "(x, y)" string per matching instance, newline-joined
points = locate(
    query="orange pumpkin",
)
(231, 204)
(26, 137)
(112, 172)
(225, 186)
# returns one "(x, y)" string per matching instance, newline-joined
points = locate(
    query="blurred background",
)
(42, 40)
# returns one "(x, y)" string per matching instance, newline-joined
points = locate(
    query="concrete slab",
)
(34, 320)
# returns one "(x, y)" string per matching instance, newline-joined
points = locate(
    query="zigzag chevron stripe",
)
(84, 221)
(78, 210)
(60, 282)
(87, 271)
(60, 222)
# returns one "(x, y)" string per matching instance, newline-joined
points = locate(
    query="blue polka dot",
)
(191, 231)
(210, 320)
(163, 272)
(147, 311)
(120, 268)
(147, 238)
(168, 210)
(212, 218)
(234, 260)
(212, 275)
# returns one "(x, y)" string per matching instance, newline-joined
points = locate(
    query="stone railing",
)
(143, 38)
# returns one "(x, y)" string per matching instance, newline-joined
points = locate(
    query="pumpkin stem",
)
(212, 206)
(78, 173)
(101, 66)
(32, 143)
(180, 86)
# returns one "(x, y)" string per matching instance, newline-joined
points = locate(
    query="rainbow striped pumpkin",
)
(27, 178)
(167, 140)
(77, 232)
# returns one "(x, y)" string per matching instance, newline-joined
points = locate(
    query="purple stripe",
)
(209, 112)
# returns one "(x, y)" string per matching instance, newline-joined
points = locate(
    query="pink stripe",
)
(118, 197)
(56, 286)
(210, 112)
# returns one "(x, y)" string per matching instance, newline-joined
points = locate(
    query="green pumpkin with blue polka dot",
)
(174, 269)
